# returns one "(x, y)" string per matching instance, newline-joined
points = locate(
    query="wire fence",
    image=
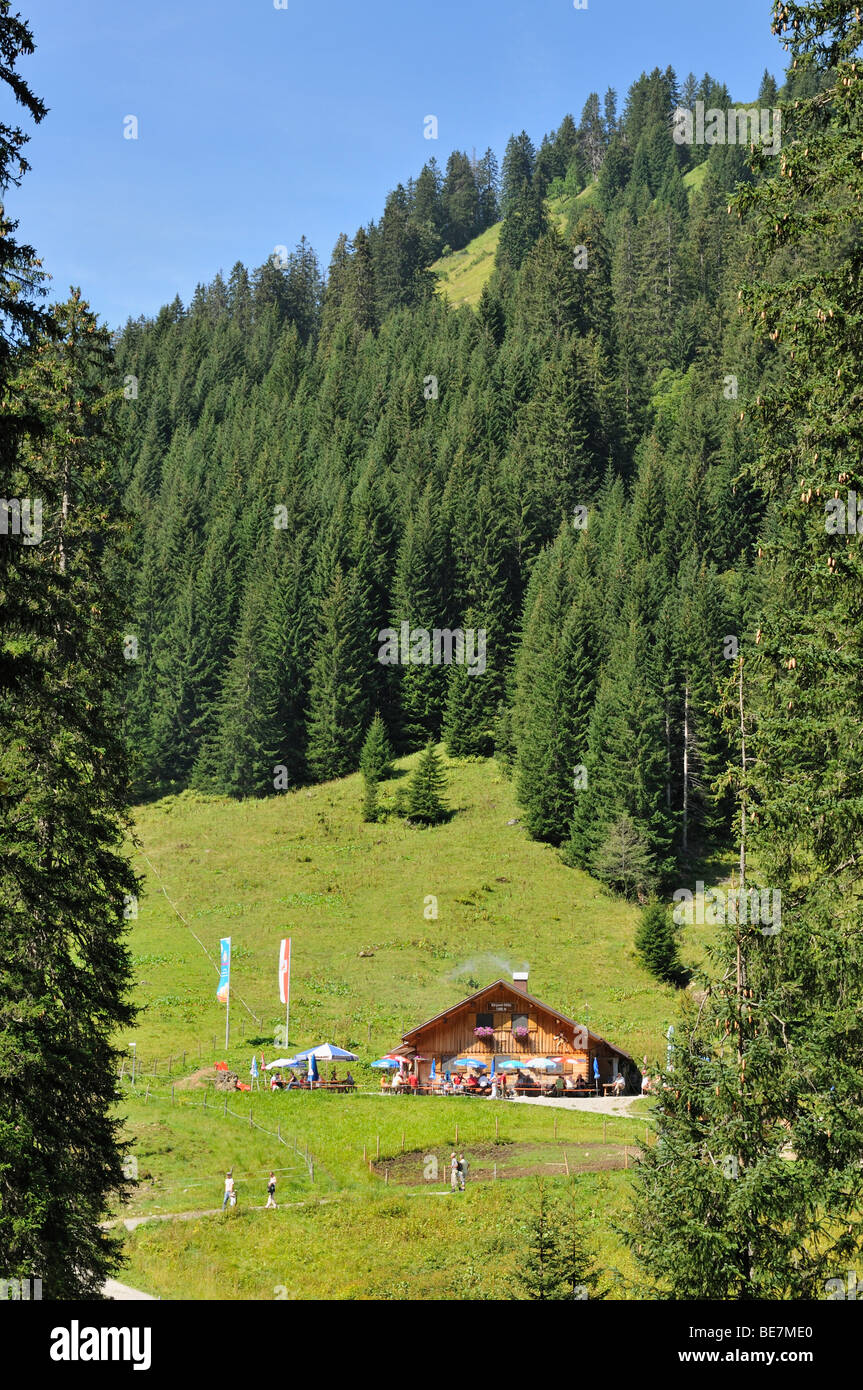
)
(221, 1107)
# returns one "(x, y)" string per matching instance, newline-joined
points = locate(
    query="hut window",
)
(519, 1021)
(485, 1020)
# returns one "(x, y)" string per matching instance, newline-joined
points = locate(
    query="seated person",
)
(484, 1082)
(349, 1080)
(413, 1082)
(619, 1084)
(645, 1084)
(569, 1083)
(447, 1087)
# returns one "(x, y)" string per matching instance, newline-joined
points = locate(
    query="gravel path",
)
(121, 1292)
(601, 1105)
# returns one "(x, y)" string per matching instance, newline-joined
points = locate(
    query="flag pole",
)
(288, 999)
(227, 1017)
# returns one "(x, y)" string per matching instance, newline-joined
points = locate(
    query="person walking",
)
(462, 1171)
(271, 1192)
(596, 1076)
(453, 1172)
(229, 1189)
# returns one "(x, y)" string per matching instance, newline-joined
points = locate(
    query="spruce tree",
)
(557, 1263)
(66, 887)
(338, 701)
(376, 755)
(656, 943)
(425, 789)
(623, 859)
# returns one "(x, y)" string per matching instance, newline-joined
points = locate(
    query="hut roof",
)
(519, 995)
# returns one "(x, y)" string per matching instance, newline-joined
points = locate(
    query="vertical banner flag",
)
(285, 969)
(225, 971)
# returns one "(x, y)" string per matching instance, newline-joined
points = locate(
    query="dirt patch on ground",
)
(204, 1076)
(496, 1162)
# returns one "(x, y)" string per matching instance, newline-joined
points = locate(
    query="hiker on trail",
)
(453, 1172)
(596, 1076)
(271, 1192)
(229, 1190)
(462, 1171)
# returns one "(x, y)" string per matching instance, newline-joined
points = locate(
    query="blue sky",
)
(257, 125)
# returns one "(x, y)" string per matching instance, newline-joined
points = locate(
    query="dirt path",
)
(132, 1222)
(122, 1292)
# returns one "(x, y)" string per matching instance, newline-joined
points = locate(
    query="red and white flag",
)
(285, 969)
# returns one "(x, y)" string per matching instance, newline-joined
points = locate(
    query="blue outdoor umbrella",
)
(313, 1067)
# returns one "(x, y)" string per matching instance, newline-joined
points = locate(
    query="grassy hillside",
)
(368, 962)
(462, 274)
(369, 958)
(349, 1232)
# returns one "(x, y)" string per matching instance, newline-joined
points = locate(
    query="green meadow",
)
(343, 1230)
(390, 923)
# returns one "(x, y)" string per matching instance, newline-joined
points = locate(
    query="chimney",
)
(519, 981)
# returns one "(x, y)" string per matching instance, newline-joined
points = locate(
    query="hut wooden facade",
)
(523, 1030)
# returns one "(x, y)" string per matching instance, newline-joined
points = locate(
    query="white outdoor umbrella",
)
(327, 1052)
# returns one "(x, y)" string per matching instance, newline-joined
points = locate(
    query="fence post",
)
(147, 1096)
(226, 1104)
(403, 1141)
(566, 1163)
(387, 1176)
(555, 1126)
(497, 1126)
(172, 1095)
(312, 1170)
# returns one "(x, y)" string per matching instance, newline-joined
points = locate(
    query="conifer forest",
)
(537, 489)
